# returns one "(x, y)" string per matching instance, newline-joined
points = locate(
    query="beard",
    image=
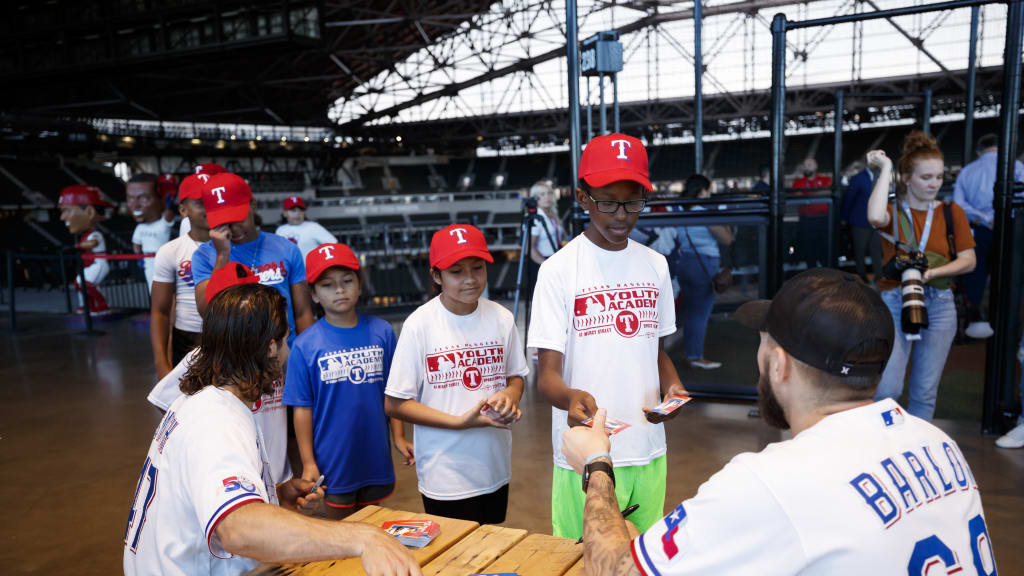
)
(771, 411)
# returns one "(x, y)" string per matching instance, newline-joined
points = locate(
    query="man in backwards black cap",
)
(862, 487)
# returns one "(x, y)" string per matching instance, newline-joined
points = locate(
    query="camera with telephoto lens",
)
(530, 204)
(909, 268)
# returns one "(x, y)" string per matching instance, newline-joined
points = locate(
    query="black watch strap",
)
(598, 466)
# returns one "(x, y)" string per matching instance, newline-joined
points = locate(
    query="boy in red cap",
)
(335, 382)
(305, 234)
(203, 172)
(81, 210)
(601, 308)
(457, 375)
(234, 237)
(173, 286)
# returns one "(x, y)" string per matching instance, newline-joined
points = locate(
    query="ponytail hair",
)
(917, 146)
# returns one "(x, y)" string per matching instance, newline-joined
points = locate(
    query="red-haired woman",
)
(919, 223)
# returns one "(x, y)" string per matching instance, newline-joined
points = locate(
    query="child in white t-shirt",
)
(601, 307)
(457, 375)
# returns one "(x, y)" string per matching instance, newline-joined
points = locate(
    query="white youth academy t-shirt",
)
(306, 236)
(605, 312)
(190, 483)
(173, 264)
(871, 490)
(450, 363)
(151, 236)
(270, 415)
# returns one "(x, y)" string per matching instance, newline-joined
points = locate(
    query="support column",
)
(777, 201)
(1003, 302)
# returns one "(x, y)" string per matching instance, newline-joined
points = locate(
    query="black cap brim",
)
(753, 314)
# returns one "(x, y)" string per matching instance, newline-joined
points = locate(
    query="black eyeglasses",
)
(611, 206)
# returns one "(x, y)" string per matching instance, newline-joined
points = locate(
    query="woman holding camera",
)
(919, 224)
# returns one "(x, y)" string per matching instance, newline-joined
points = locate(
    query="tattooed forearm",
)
(605, 538)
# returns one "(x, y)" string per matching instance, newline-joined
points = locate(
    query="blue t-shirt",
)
(274, 259)
(341, 374)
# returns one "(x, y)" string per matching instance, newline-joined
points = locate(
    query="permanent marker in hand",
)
(319, 482)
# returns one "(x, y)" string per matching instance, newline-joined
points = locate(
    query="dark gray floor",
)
(75, 427)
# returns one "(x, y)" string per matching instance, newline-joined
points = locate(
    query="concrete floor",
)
(75, 427)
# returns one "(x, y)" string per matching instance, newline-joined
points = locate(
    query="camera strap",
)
(927, 226)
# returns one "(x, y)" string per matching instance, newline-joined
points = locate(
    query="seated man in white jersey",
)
(215, 508)
(861, 488)
(269, 412)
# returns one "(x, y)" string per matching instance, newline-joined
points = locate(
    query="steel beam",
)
(972, 65)
(777, 202)
(1003, 299)
(572, 43)
(698, 89)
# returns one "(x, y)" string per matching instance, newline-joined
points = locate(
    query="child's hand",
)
(472, 418)
(505, 403)
(405, 448)
(655, 418)
(310, 471)
(581, 406)
(221, 238)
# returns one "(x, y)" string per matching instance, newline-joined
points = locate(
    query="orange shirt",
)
(936, 241)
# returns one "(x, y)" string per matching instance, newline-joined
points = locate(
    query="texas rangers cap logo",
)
(461, 233)
(327, 251)
(622, 145)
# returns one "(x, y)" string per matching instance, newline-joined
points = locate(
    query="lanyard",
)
(256, 253)
(926, 232)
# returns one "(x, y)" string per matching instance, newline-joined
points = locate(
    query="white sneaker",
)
(1012, 439)
(705, 364)
(979, 330)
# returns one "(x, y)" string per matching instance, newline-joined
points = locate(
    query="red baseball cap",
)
(234, 274)
(294, 201)
(615, 157)
(192, 187)
(226, 197)
(82, 195)
(458, 241)
(166, 185)
(327, 256)
(209, 168)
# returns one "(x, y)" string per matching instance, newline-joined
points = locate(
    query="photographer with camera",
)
(546, 235)
(926, 244)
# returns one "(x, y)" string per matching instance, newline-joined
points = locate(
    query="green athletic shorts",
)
(643, 485)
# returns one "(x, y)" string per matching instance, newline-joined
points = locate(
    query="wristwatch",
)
(598, 466)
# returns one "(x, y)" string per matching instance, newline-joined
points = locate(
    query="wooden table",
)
(462, 548)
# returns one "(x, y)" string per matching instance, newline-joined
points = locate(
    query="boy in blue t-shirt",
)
(234, 237)
(335, 382)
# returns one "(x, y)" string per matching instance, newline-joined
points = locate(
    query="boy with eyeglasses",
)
(601, 309)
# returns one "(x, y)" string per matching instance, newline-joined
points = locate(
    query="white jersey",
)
(270, 415)
(173, 265)
(872, 490)
(605, 312)
(97, 271)
(306, 236)
(450, 363)
(190, 483)
(151, 236)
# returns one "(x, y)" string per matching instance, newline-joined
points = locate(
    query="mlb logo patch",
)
(892, 417)
(672, 522)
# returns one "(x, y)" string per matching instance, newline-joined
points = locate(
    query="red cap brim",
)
(227, 215)
(469, 252)
(606, 177)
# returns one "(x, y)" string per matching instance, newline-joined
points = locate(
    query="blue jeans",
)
(929, 353)
(698, 298)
